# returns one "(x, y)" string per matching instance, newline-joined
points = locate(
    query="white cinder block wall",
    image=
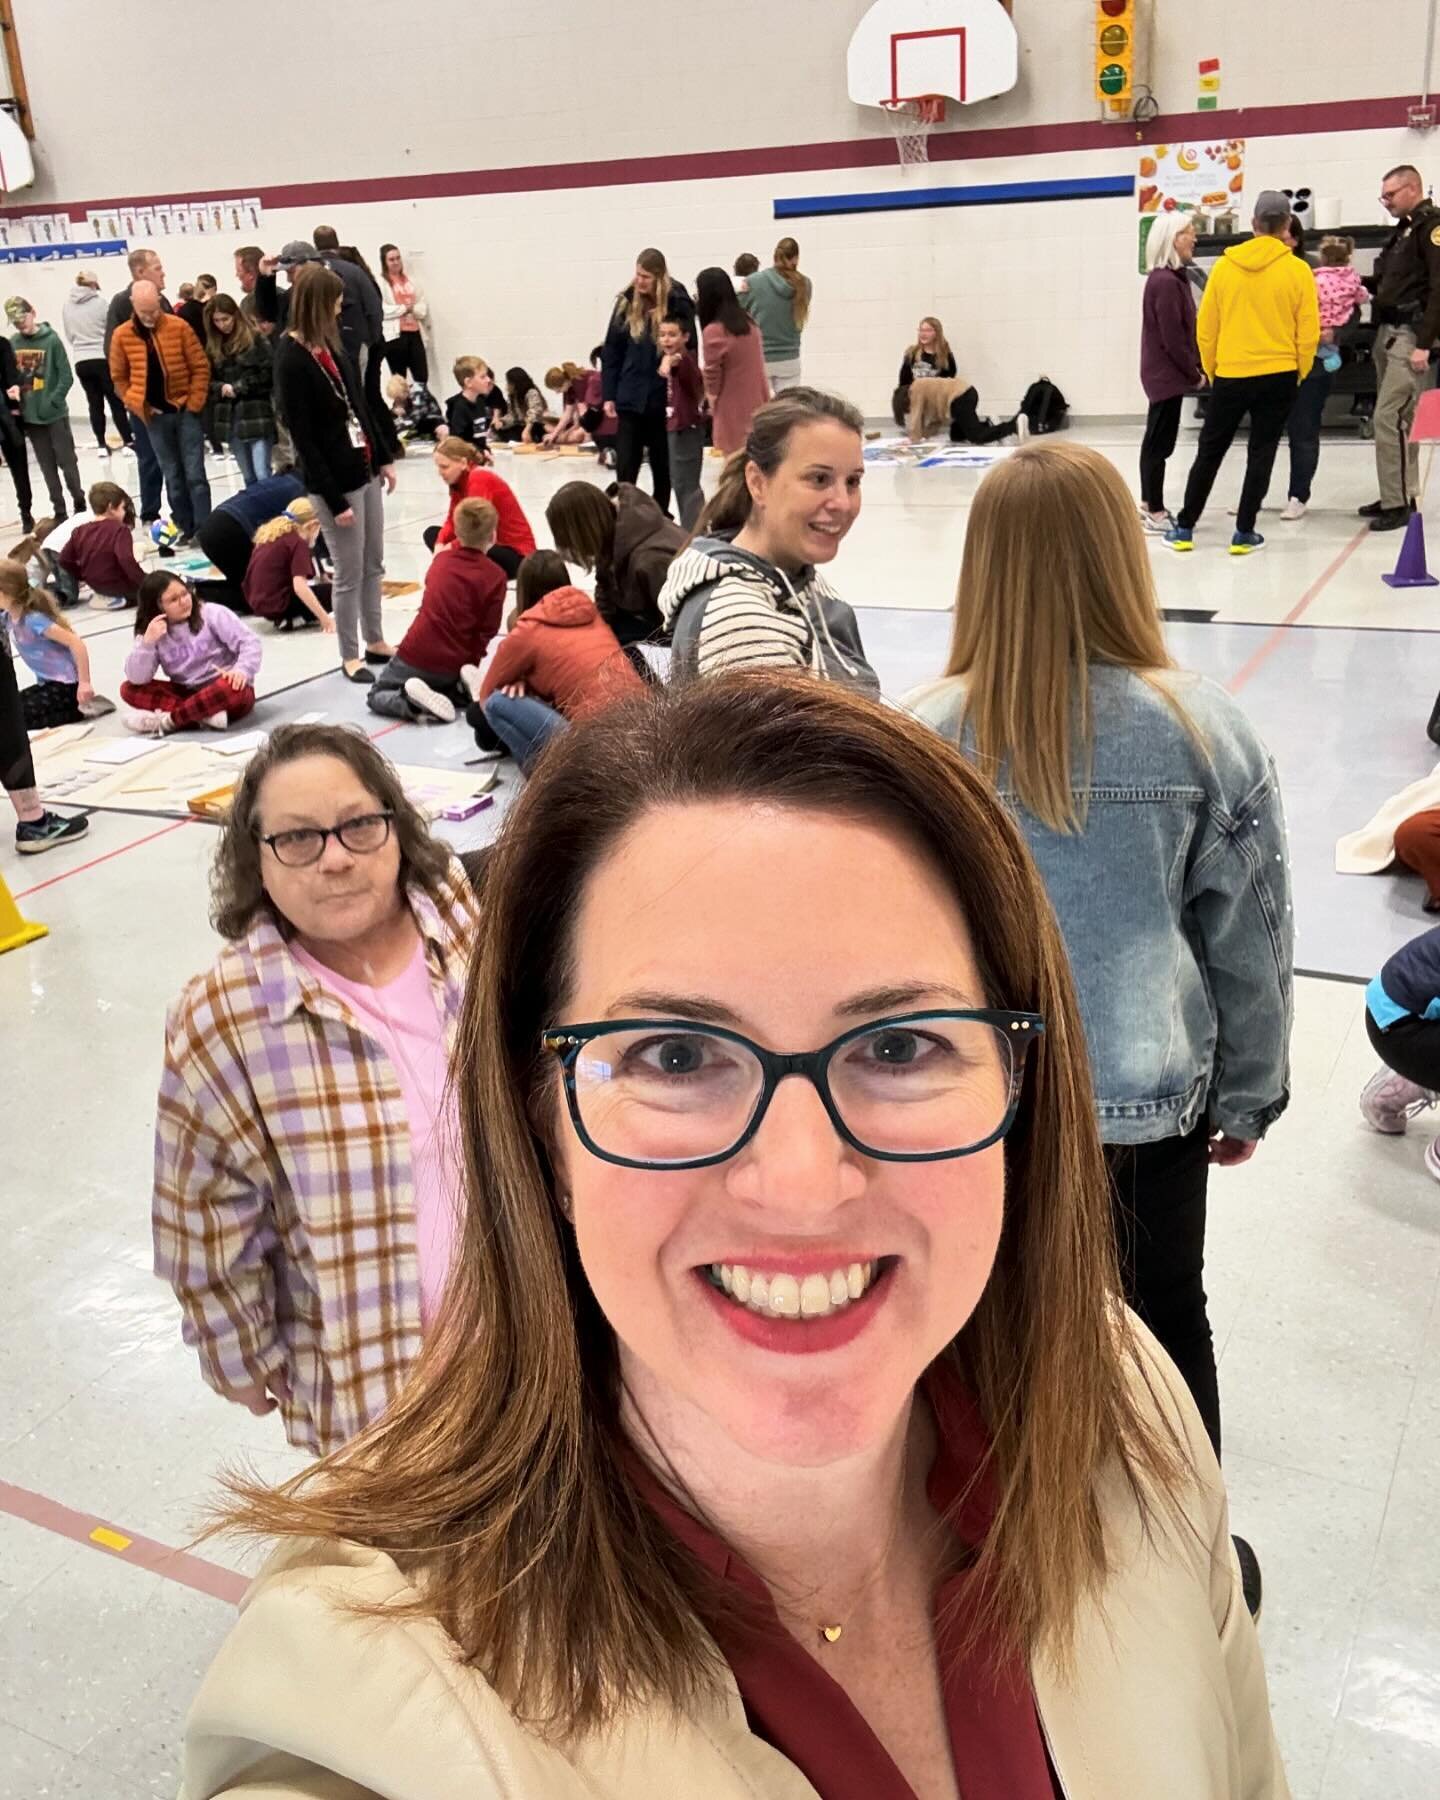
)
(291, 95)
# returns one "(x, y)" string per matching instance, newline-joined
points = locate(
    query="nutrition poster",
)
(1182, 177)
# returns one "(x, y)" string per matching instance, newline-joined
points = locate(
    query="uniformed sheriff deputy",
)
(1406, 285)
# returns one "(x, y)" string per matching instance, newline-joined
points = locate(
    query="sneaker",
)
(1390, 518)
(1251, 1584)
(104, 451)
(1246, 543)
(109, 603)
(420, 693)
(147, 724)
(1388, 1102)
(47, 831)
(1180, 537)
(1157, 524)
(98, 708)
(470, 675)
(1293, 509)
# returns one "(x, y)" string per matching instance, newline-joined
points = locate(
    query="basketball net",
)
(912, 121)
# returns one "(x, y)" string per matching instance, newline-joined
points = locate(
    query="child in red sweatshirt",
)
(101, 552)
(459, 614)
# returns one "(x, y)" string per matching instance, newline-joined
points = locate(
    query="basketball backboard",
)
(965, 50)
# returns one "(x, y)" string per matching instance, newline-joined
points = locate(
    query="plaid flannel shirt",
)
(283, 1211)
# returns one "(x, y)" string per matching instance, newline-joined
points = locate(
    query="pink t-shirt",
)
(403, 1019)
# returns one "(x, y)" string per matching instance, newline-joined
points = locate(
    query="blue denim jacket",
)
(1174, 902)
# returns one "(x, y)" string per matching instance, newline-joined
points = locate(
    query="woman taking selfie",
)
(780, 1437)
(304, 1204)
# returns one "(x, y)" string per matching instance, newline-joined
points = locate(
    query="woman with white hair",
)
(1169, 357)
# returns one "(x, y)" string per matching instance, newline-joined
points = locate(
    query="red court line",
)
(142, 1552)
(1313, 592)
(95, 861)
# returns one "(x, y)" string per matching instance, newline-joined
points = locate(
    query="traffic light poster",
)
(1208, 177)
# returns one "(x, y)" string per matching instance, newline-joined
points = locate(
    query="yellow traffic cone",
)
(15, 931)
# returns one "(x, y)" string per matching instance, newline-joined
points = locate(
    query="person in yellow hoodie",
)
(1258, 328)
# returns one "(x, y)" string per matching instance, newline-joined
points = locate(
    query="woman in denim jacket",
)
(1153, 811)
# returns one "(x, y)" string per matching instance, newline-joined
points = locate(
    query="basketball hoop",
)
(912, 121)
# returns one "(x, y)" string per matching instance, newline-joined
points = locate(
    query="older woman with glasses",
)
(782, 1434)
(305, 1195)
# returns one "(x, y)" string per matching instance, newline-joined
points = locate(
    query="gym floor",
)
(1324, 1252)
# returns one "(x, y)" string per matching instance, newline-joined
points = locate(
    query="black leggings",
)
(638, 433)
(406, 354)
(1162, 429)
(17, 766)
(1158, 1194)
(17, 461)
(94, 376)
(505, 555)
(967, 427)
(1411, 1047)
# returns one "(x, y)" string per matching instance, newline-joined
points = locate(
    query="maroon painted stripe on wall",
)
(789, 159)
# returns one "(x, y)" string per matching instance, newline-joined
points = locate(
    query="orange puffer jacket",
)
(182, 357)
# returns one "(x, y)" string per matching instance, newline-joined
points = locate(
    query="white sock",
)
(217, 721)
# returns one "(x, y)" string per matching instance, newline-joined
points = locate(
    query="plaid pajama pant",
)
(189, 706)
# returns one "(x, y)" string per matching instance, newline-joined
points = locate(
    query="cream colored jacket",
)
(303, 1703)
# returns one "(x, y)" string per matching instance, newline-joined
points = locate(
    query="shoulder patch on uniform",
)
(1435, 236)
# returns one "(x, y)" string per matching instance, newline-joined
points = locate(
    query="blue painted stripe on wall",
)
(997, 193)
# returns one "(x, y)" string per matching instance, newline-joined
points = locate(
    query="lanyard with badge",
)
(353, 428)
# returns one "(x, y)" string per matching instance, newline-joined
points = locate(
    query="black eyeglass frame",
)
(326, 832)
(567, 1041)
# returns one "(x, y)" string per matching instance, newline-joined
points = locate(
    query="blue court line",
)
(995, 193)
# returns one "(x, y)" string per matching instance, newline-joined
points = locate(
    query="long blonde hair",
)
(642, 315)
(501, 1475)
(939, 351)
(1037, 605)
(787, 267)
(296, 516)
(15, 586)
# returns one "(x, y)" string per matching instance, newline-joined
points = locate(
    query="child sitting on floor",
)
(209, 660)
(569, 381)
(54, 654)
(416, 410)
(437, 663)
(473, 413)
(280, 582)
(101, 552)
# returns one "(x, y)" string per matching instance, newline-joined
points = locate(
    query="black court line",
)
(1186, 615)
(1328, 975)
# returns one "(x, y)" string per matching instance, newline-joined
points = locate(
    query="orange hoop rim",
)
(925, 109)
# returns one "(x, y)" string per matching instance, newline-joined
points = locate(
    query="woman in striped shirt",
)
(305, 1197)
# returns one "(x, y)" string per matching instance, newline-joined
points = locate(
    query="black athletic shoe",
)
(1393, 518)
(1250, 1582)
(47, 831)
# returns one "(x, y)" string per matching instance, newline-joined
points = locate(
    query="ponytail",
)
(787, 266)
(767, 447)
(458, 449)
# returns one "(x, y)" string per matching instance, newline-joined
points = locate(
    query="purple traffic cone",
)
(1410, 570)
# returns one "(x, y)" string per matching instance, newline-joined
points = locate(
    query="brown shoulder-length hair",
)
(236, 893)
(1035, 609)
(767, 444)
(582, 518)
(502, 1474)
(242, 333)
(313, 293)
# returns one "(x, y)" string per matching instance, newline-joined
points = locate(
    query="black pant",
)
(227, 543)
(374, 367)
(407, 353)
(298, 613)
(1162, 430)
(1158, 1202)
(966, 425)
(94, 377)
(17, 766)
(1411, 1047)
(638, 433)
(1267, 399)
(505, 555)
(17, 461)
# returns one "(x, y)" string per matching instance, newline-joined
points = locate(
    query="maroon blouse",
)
(794, 1705)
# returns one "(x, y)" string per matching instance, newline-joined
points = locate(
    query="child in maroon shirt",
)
(101, 553)
(685, 389)
(280, 582)
(438, 662)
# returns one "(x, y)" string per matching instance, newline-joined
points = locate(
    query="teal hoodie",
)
(45, 378)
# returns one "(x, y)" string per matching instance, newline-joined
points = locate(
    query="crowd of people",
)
(1027, 937)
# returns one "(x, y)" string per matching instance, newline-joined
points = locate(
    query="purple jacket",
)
(1169, 357)
(191, 658)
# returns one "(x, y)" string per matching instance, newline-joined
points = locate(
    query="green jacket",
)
(771, 304)
(45, 377)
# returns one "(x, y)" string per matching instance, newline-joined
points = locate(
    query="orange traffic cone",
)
(15, 931)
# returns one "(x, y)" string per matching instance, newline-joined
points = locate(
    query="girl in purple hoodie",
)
(192, 663)
(1169, 357)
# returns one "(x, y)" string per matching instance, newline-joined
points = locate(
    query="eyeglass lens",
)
(664, 1094)
(306, 845)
